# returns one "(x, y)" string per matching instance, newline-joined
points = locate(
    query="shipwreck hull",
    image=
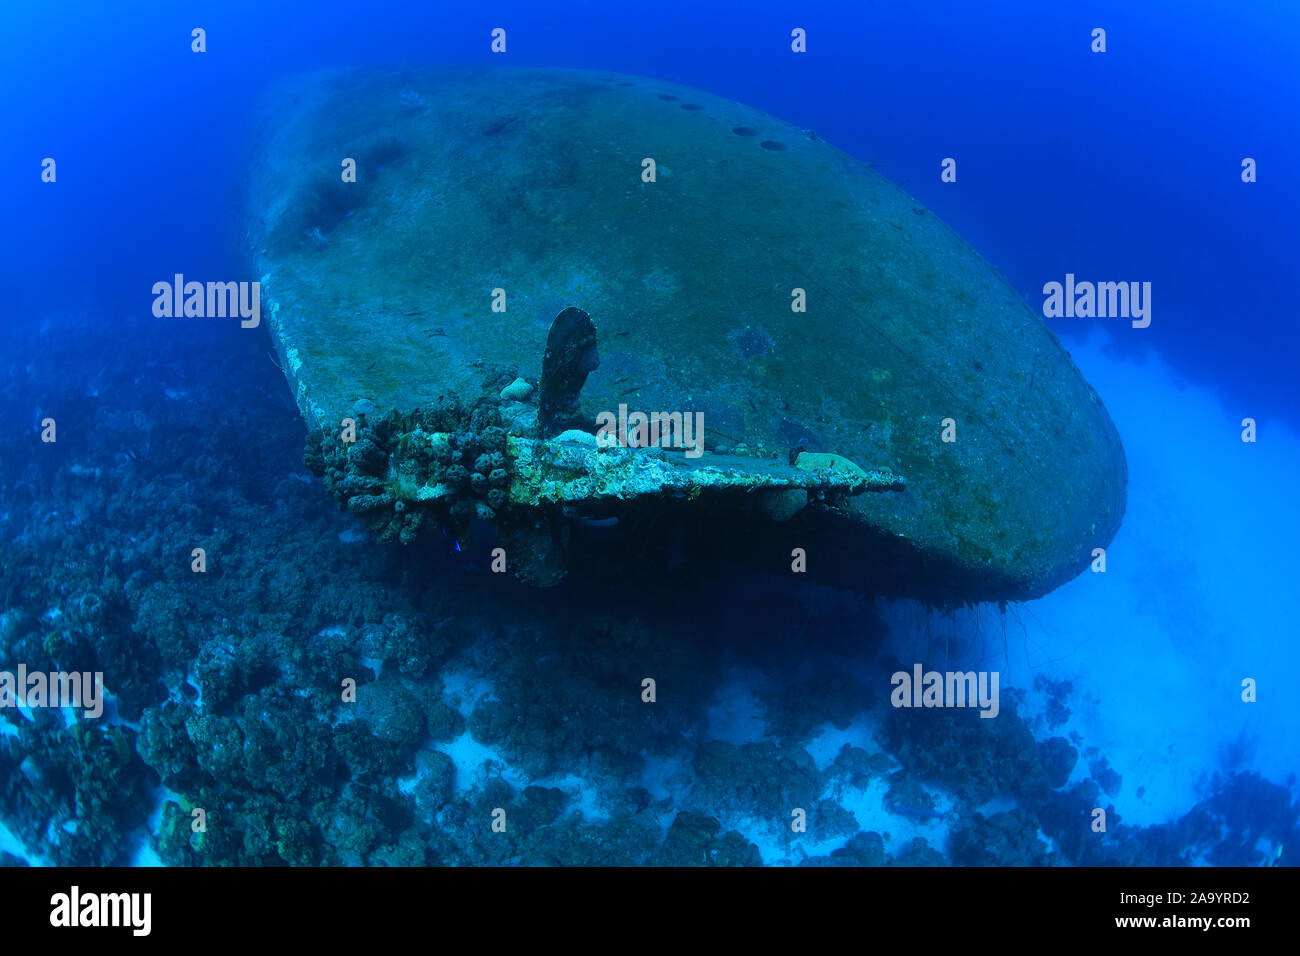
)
(382, 298)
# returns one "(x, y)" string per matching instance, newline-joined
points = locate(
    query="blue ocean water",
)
(1122, 165)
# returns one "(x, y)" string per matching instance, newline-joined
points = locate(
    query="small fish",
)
(498, 125)
(919, 813)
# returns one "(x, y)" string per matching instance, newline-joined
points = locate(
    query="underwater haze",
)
(280, 644)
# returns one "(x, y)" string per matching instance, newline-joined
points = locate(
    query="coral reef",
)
(447, 464)
(325, 700)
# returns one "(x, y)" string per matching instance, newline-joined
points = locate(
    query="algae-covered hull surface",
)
(734, 267)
